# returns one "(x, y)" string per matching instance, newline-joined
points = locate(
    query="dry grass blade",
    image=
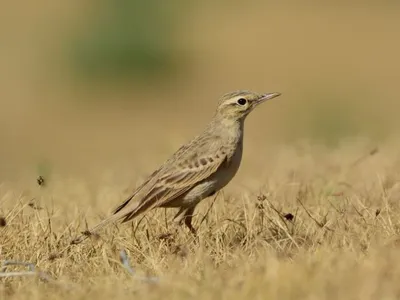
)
(320, 224)
(209, 209)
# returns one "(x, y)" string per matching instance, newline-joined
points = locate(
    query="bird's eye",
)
(242, 101)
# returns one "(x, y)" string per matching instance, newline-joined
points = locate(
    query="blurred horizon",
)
(87, 83)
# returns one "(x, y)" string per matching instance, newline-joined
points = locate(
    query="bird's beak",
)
(268, 96)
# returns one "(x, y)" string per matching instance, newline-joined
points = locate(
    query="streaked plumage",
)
(198, 169)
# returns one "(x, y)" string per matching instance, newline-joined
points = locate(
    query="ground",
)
(322, 223)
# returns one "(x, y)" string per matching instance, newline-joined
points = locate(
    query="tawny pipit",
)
(198, 169)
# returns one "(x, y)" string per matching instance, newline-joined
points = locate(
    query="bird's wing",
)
(138, 189)
(172, 182)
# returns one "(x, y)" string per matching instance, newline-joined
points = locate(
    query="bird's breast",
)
(229, 170)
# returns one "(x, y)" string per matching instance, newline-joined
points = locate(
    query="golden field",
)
(342, 241)
(313, 212)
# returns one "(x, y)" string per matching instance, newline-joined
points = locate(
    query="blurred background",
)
(86, 85)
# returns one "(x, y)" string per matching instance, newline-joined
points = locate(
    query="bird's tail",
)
(90, 232)
(126, 211)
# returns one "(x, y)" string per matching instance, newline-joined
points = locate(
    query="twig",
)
(32, 272)
(6, 263)
(16, 274)
(125, 263)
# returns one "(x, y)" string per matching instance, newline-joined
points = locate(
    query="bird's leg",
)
(186, 218)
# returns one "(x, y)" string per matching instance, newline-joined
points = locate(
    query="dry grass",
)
(323, 224)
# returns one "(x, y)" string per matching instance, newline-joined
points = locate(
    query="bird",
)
(197, 170)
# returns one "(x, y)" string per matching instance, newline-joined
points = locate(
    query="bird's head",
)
(237, 105)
